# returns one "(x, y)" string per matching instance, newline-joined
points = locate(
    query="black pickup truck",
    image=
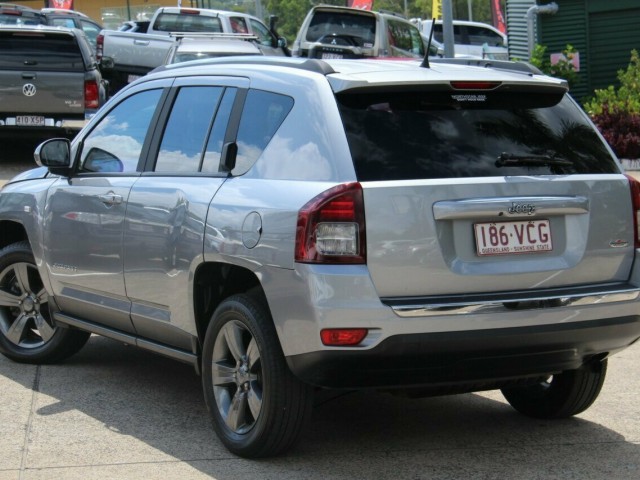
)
(50, 84)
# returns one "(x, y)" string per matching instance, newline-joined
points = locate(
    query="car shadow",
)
(134, 406)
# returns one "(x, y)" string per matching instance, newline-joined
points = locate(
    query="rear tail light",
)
(634, 185)
(331, 228)
(342, 337)
(99, 47)
(91, 94)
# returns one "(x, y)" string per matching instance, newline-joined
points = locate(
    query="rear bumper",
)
(475, 358)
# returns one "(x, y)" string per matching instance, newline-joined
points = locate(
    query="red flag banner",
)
(65, 4)
(498, 16)
(361, 4)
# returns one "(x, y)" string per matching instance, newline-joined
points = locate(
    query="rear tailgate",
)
(498, 190)
(41, 73)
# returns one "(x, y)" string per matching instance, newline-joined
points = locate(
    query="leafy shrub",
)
(562, 69)
(616, 112)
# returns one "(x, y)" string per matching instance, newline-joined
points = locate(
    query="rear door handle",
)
(110, 199)
(141, 42)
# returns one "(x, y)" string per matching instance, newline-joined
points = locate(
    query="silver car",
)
(291, 225)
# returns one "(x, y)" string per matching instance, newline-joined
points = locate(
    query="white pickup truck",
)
(125, 56)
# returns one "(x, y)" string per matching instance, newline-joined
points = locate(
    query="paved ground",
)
(117, 412)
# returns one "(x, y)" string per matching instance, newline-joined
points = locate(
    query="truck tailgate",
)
(43, 92)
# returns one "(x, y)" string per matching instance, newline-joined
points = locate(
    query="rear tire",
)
(258, 407)
(562, 395)
(27, 332)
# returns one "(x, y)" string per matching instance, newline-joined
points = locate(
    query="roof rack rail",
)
(310, 64)
(521, 67)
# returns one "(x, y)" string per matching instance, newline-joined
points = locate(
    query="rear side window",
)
(353, 29)
(404, 39)
(422, 135)
(184, 137)
(262, 115)
(39, 51)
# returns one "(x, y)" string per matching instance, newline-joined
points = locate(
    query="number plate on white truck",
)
(504, 238)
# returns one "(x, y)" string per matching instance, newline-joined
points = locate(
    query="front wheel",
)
(257, 406)
(560, 396)
(27, 333)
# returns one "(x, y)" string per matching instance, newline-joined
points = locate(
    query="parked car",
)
(198, 48)
(286, 224)
(73, 19)
(12, 14)
(127, 55)
(470, 38)
(49, 79)
(338, 32)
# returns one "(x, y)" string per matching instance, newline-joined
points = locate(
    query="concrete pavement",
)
(116, 412)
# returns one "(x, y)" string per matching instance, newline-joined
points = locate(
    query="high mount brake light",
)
(475, 85)
(187, 11)
(634, 186)
(331, 227)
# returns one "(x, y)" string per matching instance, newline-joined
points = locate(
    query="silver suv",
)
(330, 32)
(290, 225)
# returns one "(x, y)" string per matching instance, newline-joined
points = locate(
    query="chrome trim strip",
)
(495, 307)
(490, 207)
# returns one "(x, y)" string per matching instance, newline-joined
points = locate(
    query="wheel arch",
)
(12, 232)
(216, 281)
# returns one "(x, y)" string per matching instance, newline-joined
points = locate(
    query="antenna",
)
(425, 60)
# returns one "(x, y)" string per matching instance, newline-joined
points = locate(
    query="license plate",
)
(331, 56)
(30, 121)
(505, 238)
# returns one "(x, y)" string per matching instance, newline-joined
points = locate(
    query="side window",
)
(480, 36)
(404, 39)
(238, 25)
(262, 115)
(262, 32)
(91, 31)
(189, 122)
(63, 22)
(115, 144)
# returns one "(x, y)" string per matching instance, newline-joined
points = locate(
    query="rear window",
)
(14, 18)
(174, 22)
(359, 30)
(428, 135)
(39, 51)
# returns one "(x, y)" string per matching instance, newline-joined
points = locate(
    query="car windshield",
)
(361, 29)
(426, 135)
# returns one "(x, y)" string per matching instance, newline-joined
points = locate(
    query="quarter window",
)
(262, 115)
(115, 144)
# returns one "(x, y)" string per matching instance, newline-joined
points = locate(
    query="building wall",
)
(603, 31)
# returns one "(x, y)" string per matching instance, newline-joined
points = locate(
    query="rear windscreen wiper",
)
(511, 160)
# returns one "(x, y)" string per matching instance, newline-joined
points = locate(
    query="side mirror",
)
(282, 42)
(55, 154)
